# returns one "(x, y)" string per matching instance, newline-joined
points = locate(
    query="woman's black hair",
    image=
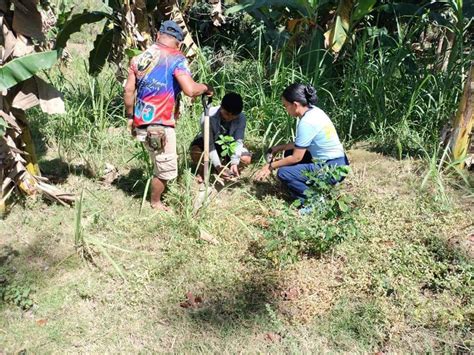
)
(304, 94)
(233, 103)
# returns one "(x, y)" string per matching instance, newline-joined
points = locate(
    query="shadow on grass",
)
(270, 188)
(24, 270)
(57, 170)
(236, 307)
(133, 184)
(37, 121)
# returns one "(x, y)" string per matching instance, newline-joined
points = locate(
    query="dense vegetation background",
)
(386, 267)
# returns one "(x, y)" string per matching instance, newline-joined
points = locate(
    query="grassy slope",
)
(401, 285)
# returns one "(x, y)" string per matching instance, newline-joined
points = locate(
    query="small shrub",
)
(17, 294)
(289, 237)
(327, 200)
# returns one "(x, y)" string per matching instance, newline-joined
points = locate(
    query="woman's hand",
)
(263, 174)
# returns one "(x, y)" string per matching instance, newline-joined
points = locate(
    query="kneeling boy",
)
(227, 120)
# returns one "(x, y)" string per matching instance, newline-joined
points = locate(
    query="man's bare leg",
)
(157, 188)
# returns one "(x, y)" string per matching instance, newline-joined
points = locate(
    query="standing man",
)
(155, 79)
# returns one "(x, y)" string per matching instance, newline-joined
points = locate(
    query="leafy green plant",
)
(17, 294)
(228, 145)
(20, 69)
(326, 199)
(289, 238)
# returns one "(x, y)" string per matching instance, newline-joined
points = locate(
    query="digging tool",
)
(203, 189)
(206, 104)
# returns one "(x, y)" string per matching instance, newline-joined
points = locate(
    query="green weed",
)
(321, 195)
(17, 294)
(290, 238)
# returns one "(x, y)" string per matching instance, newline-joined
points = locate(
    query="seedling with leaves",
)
(228, 145)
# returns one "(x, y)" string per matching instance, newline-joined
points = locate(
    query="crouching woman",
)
(316, 143)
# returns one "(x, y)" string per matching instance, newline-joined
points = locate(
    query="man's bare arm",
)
(129, 93)
(191, 88)
(129, 98)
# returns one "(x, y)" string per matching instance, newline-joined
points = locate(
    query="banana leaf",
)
(151, 5)
(468, 10)
(20, 69)
(304, 7)
(3, 126)
(99, 54)
(337, 34)
(75, 23)
(116, 5)
(363, 8)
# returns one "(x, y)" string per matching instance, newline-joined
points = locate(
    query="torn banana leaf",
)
(23, 68)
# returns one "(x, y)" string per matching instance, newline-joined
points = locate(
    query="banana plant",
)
(463, 123)
(130, 27)
(22, 25)
(338, 18)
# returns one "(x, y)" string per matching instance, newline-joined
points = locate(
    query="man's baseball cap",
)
(171, 28)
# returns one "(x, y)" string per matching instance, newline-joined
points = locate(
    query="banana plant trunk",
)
(463, 122)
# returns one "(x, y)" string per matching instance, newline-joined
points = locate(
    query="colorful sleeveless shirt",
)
(156, 70)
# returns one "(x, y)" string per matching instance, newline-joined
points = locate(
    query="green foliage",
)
(322, 196)
(131, 52)
(289, 237)
(17, 294)
(99, 54)
(20, 69)
(363, 8)
(331, 221)
(95, 105)
(228, 145)
(74, 24)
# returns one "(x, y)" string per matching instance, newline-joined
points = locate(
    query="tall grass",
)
(382, 90)
(85, 134)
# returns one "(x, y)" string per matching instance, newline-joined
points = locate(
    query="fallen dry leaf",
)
(291, 294)
(273, 337)
(471, 237)
(111, 174)
(41, 322)
(206, 236)
(191, 301)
